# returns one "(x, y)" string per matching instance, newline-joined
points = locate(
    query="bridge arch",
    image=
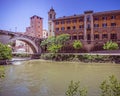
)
(28, 41)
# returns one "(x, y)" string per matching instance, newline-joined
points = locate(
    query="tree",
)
(77, 44)
(110, 45)
(5, 52)
(61, 39)
(54, 44)
(54, 48)
(75, 90)
(110, 87)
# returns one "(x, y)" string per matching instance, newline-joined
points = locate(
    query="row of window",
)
(82, 19)
(104, 25)
(96, 36)
(82, 26)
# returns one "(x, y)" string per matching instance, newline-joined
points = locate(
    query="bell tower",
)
(51, 17)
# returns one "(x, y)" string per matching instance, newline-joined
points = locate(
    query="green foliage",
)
(48, 41)
(75, 90)
(5, 52)
(54, 48)
(2, 73)
(61, 39)
(110, 87)
(110, 45)
(77, 44)
(53, 43)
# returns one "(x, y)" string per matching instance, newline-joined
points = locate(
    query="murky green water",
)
(43, 78)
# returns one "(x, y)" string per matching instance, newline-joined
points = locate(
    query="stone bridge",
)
(33, 42)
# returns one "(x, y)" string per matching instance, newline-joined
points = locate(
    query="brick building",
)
(36, 27)
(93, 29)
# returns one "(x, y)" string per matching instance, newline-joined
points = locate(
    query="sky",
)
(15, 14)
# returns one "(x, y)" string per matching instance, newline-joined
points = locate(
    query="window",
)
(68, 21)
(113, 24)
(74, 37)
(81, 20)
(96, 36)
(50, 16)
(96, 18)
(104, 25)
(113, 36)
(96, 25)
(104, 36)
(68, 28)
(88, 18)
(81, 26)
(62, 22)
(80, 36)
(74, 27)
(104, 18)
(62, 28)
(88, 37)
(57, 29)
(57, 23)
(74, 21)
(113, 17)
(88, 26)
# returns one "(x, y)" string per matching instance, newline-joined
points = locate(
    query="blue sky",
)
(17, 13)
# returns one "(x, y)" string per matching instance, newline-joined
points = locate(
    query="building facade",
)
(36, 27)
(93, 29)
(45, 33)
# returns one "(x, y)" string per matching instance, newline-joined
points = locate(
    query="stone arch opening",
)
(27, 41)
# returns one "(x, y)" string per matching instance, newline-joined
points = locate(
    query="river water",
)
(47, 78)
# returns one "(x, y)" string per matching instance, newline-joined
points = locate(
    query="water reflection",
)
(43, 78)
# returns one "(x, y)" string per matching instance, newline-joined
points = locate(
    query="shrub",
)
(111, 45)
(75, 90)
(110, 87)
(5, 52)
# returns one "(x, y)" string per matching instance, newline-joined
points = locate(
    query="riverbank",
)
(87, 58)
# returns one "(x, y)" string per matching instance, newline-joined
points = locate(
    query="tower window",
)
(50, 16)
(88, 18)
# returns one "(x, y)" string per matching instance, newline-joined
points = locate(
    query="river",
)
(47, 78)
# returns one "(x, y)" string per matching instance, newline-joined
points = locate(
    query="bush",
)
(2, 73)
(5, 52)
(77, 44)
(110, 87)
(75, 90)
(111, 45)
